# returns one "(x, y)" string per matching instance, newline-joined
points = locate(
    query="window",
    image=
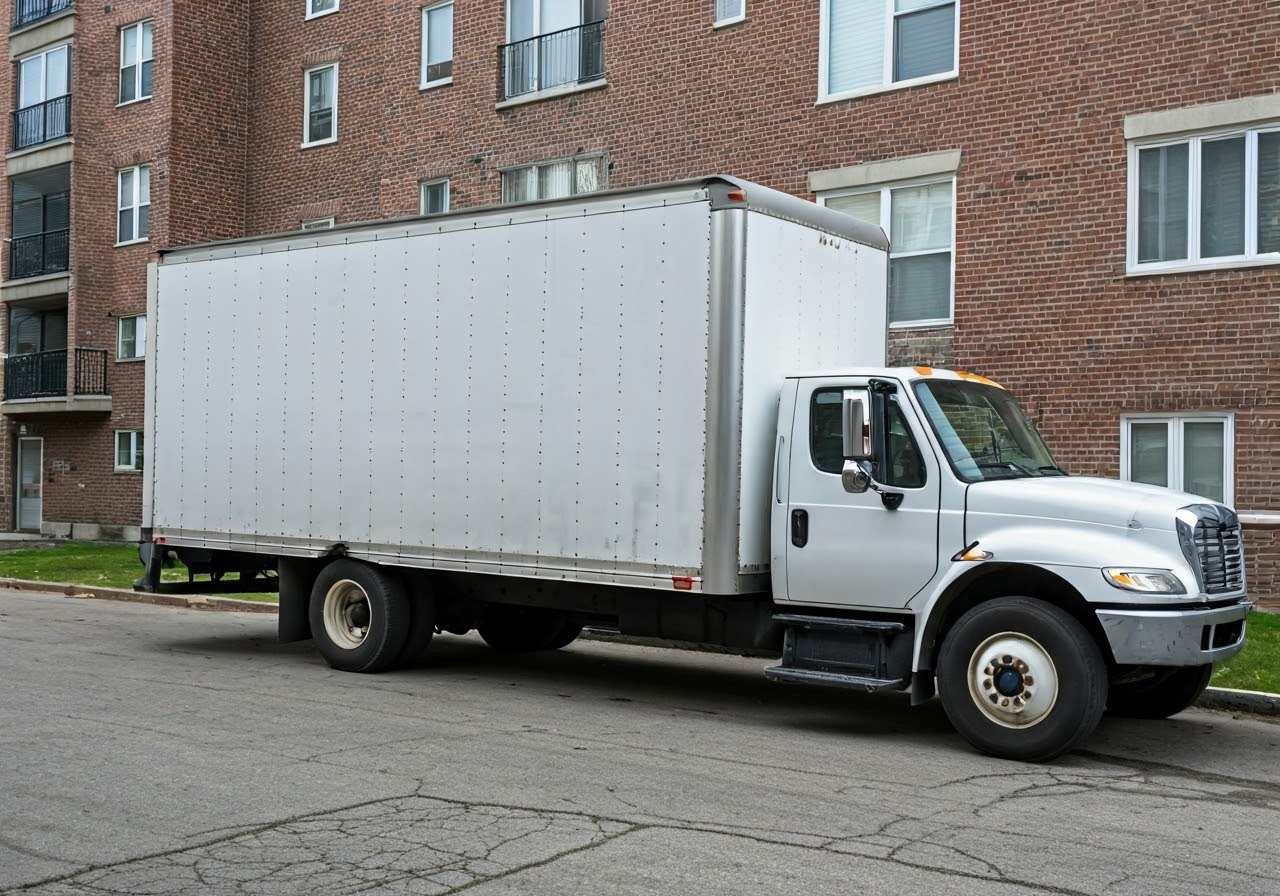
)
(318, 224)
(44, 103)
(321, 121)
(135, 62)
(552, 43)
(1205, 199)
(919, 219)
(905, 467)
(128, 450)
(555, 179)
(133, 189)
(437, 45)
(321, 7)
(869, 45)
(1192, 453)
(729, 11)
(131, 337)
(433, 197)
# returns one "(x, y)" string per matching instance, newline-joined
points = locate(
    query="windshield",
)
(984, 432)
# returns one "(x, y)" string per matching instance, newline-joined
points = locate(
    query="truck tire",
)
(422, 628)
(1163, 693)
(1021, 679)
(523, 629)
(359, 616)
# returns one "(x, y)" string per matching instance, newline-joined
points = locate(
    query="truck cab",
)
(923, 536)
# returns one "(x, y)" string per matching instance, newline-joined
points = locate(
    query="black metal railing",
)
(44, 374)
(27, 11)
(551, 60)
(40, 253)
(42, 122)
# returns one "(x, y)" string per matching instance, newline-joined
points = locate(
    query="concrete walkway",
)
(1213, 698)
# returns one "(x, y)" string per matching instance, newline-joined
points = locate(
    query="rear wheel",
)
(1157, 693)
(359, 616)
(1021, 679)
(523, 629)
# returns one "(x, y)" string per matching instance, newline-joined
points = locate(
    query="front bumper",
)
(1175, 637)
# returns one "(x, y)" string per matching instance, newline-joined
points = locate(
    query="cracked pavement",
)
(152, 750)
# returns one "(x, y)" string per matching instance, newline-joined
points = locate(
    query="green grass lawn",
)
(97, 565)
(1256, 668)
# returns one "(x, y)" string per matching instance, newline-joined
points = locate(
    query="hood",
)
(1086, 499)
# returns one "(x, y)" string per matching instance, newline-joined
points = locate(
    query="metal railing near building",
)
(27, 11)
(551, 60)
(44, 374)
(42, 122)
(39, 253)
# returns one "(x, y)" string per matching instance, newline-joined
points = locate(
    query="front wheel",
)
(1158, 693)
(1021, 679)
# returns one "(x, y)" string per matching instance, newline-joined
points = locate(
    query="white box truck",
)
(662, 411)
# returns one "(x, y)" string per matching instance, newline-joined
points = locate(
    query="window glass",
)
(135, 62)
(437, 24)
(131, 339)
(555, 179)
(1269, 192)
(1204, 454)
(729, 9)
(321, 104)
(826, 437)
(128, 450)
(1149, 453)
(435, 198)
(1222, 197)
(1162, 203)
(873, 43)
(133, 203)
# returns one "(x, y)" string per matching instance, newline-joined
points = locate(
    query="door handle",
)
(799, 528)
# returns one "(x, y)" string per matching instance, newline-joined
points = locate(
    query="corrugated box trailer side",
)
(583, 390)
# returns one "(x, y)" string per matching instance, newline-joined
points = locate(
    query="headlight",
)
(1148, 581)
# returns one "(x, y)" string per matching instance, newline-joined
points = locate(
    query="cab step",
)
(833, 679)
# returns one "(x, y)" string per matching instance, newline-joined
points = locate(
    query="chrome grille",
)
(1220, 554)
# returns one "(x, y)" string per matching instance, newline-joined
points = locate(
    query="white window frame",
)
(139, 61)
(722, 14)
(886, 191)
(26, 102)
(1194, 261)
(139, 339)
(307, 74)
(886, 81)
(319, 223)
(134, 203)
(1175, 461)
(599, 159)
(133, 439)
(314, 11)
(427, 185)
(423, 81)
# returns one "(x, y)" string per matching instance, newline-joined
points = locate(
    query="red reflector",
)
(158, 539)
(682, 583)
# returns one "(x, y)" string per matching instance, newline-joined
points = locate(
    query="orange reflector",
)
(972, 554)
(975, 378)
(737, 195)
(682, 583)
(924, 371)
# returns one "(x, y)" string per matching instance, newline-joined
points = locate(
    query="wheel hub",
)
(1013, 680)
(346, 614)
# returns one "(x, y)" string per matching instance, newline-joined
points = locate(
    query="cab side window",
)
(826, 441)
(905, 468)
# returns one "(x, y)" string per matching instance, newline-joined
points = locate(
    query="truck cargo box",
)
(583, 389)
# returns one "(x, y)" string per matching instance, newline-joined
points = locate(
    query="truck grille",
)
(1216, 548)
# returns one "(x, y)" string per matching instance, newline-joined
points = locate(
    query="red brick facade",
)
(1037, 112)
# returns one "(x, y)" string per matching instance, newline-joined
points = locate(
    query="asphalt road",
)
(148, 749)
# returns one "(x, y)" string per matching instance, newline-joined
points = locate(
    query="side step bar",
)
(833, 679)
(860, 654)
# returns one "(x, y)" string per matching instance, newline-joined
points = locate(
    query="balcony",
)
(27, 11)
(43, 375)
(42, 122)
(559, 59)
(39, 254)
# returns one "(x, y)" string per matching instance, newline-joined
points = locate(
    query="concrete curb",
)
(189, 601)
(1254, 702)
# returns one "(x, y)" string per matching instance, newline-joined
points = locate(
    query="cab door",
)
(852, 550)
